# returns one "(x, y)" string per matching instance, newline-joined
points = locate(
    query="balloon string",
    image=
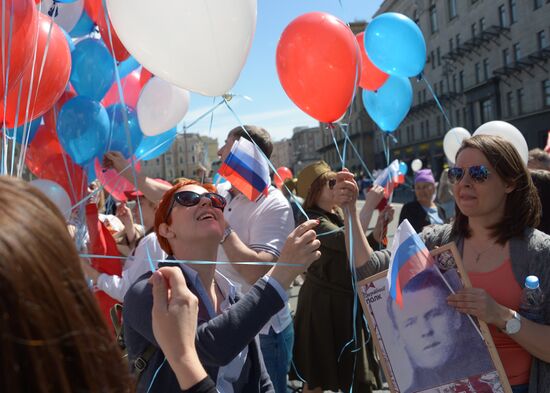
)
(344, 128)
(290, 193)
(423, 77)
(6, 80)
(331, 128)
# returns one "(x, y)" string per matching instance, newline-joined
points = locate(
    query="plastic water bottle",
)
(532, 300)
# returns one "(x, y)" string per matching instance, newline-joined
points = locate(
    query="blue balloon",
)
(93, 69)
(403, 168)
(127, 66)
(31, 130)
(118, 135)
(83, 129)
(90, 172)
(69, 40)
(389, 105)
(154, 146)
(83, 27)
(395, 44)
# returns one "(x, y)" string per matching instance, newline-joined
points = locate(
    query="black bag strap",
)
(116, 319)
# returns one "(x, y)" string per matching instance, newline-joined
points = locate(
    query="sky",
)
(269, 105)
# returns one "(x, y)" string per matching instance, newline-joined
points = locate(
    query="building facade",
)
(306, 141)
(486, 60)
(190, 155)
(361, 131)
(283, 153)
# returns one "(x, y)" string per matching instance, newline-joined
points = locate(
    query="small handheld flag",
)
(246, 168)
(409, 256)
(389, 178)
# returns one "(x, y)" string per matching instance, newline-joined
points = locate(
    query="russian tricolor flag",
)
(409, 256)
(389, 178)
(246, 168)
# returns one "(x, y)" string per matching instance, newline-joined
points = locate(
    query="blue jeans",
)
(520, 388)
(277, 353)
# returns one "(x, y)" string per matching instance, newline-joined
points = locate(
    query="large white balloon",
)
(68, 14)
(416, 164)
(161, 106)
(453, 140)
(508, 132)
(56, 194)
(200, 45)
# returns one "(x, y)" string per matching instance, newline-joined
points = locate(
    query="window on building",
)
(422, 130)
(542, 42)
(415, 16)
(451, 5)
(454, 83)
(419, 96)
(182, 173)
(193, 159)
(482, 25)
(478, 72)
(546, 92)
(433, 17)
(427, 128)
(485, 69)
(473, 29)
(461, 79)
(517, 51)
(538, 4)
(168, 161)
(519, 99)
(486, 110)
(181, 160)
(465, 117)
(158, 161)
(503, 21)
(510, 104)
(457, 117)
(413, 133)
(505, 57)
(451, 44)
(438, 125)
(441, 87)
(432, 59)
(438, 57)
(457, 40)
(513, 11)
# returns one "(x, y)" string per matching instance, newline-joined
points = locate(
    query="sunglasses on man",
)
(478, 173)
(192, 198)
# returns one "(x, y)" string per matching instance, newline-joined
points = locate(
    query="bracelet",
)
(226, 233)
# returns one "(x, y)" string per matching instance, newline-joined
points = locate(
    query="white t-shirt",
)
(263, 225)
(135, 266)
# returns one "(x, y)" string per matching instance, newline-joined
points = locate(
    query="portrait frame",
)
(373, 295)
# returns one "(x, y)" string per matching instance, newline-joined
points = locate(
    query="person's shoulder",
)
(436, 235)
(138, 292)
(537, 241)
(274, 200)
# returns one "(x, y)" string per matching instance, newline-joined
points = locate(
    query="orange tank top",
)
(515, 359)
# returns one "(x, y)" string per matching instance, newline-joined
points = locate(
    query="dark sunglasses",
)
(478, 173)
(191, 198)
(331, 183)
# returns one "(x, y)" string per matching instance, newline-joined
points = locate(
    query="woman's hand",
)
(114, 160)
(384, 218)
(175, 311)
(346, 190)
(478, 303)
(374, 196)
(90, 272)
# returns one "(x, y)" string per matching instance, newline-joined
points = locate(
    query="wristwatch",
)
(226, 233)
(513, 325)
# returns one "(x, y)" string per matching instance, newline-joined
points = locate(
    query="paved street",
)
(293, 292)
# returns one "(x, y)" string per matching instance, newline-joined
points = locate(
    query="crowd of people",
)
(202, 274)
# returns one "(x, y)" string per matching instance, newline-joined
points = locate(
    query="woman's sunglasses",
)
(331, 183)
(191, 198)
(478, 173)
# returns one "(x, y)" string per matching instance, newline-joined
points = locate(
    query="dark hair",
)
(257, 134)
(164, 205)
(53, 336)
(522, 208)
(316, 188)
(541, 180)
(425, 279)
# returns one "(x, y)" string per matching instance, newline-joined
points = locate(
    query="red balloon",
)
(44, 145)
(144, 76)
(23, 13)
(131, 87)
(62, 170)
(50, 117)
(95, 10)
(284, 173)
(114, 183)
(372, 78)
(317, 62)
(46, 87)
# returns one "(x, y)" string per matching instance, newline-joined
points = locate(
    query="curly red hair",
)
(164, 205)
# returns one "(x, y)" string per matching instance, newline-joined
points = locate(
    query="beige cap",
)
(308, 175)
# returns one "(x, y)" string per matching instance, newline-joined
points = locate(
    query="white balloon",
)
(453, 140)
(68, 14)
(161, 106)
(416, 165)
(508, 132)
(56, 194)
(200, 45)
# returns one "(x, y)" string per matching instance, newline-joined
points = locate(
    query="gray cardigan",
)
(218, 340)
(529, 254)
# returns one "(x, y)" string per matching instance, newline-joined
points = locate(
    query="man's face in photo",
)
(427, 327)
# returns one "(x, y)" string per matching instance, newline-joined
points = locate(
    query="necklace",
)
(480, 253)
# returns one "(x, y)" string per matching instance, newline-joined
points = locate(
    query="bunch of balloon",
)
(394, 44)
(318, 64)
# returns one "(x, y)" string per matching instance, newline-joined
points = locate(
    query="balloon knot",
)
(53, 12)
(419, 77)
(227, 96)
